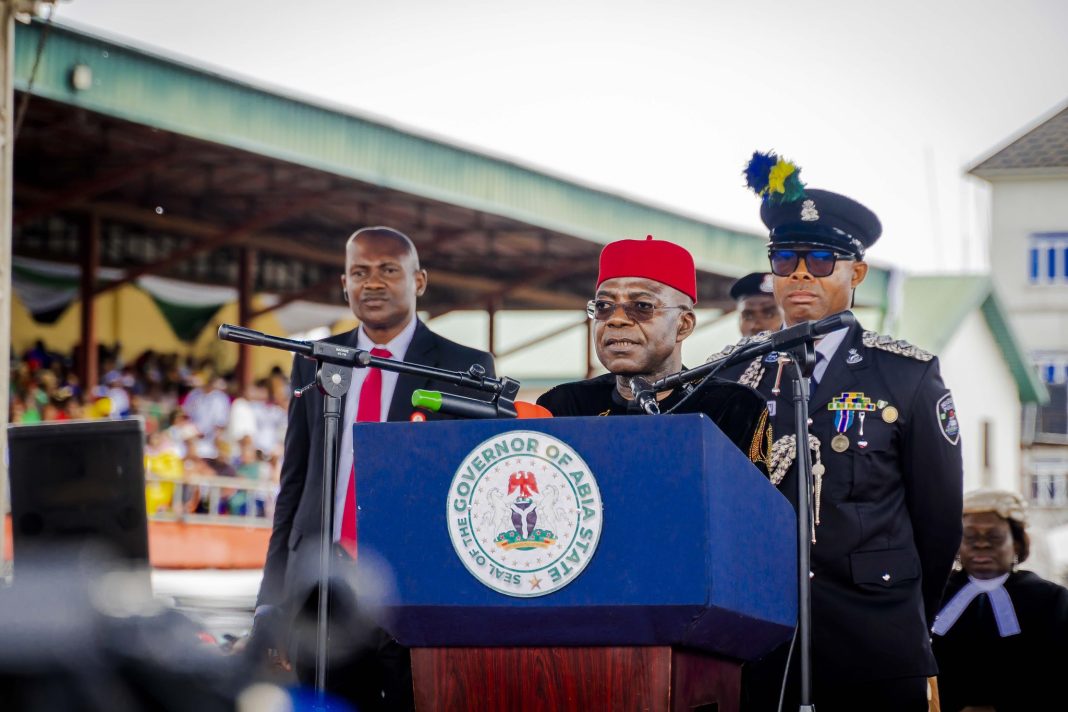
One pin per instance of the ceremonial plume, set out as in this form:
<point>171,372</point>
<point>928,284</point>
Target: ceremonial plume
<point>773,178</point>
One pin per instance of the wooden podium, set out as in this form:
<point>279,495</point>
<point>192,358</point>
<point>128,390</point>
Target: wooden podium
<point>654,678</point>
<point>693,573</point>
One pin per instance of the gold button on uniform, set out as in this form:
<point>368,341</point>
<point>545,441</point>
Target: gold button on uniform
<point>889,414</point>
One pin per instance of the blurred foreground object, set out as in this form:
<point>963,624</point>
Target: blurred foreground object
<point>82,633</point>
<point>77,483</point>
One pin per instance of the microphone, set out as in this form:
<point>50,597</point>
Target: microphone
<point>782,340</point>
<point>461,406</point>
<point>243,335</point>
<point>644,395</point>
<point>806,331</point>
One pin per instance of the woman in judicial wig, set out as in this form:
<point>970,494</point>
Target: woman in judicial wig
<point>1001,637</point>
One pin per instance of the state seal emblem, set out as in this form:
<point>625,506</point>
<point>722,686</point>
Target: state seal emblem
<point>524,513</point>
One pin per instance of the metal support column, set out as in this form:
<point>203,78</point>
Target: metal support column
<point>7,120</point>
<point>88,363</point>
<point>245,283</point>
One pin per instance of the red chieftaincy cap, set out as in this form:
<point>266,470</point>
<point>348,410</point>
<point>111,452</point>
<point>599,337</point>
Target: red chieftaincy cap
<point>658,260</point>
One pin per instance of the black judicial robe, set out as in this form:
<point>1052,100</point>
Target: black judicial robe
<point>1022,672</point>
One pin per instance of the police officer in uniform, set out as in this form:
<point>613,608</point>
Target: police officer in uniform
<point>887,472</point>
<point>757,309</point>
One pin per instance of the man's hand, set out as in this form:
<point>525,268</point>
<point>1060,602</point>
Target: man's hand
<point>266,640</point>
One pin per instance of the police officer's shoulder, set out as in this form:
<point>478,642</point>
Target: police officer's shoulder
<point>898,347</point>
<point>744,341</point>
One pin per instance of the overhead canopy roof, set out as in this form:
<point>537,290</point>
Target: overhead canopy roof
<point>183,167</point>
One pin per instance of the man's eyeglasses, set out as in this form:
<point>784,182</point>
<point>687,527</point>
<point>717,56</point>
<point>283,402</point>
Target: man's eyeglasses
<point>820,263</point>
<point>603,309</point>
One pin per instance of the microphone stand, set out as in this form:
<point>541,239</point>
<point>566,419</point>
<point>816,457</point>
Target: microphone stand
<point>803,358</point>
<point>333,376</point>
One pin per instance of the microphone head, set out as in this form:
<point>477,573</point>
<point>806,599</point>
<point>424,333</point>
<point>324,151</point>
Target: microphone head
<point>427,400</point>
<point>847,319</point>
<point>525,410</point>
<point>637,383</point>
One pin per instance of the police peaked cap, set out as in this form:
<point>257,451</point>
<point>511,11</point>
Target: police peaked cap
<point>822,219</point>
<point>753,284</point>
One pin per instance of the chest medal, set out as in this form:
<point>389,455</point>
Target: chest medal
<point>850,407</point>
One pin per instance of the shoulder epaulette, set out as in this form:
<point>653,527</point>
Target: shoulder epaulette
<point>745,341</point>
<point>727,350</point>
<point>895,346</point>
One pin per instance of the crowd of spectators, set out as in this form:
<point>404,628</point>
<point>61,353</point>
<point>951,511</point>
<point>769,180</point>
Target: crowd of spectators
<point>197,422</point>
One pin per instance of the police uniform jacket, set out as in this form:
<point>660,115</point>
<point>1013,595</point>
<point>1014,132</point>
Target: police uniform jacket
<point>889,506</point>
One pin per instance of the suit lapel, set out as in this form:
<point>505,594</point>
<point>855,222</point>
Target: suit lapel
<point>423,351</point>
<point>841,376</point>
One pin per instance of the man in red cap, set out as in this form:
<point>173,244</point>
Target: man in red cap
<point>642,312</point>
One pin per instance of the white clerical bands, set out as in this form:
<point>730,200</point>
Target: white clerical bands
<point>1004,613</point>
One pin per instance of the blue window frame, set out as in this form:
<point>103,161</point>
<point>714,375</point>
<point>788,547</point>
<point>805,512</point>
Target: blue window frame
<point>1047,258</point>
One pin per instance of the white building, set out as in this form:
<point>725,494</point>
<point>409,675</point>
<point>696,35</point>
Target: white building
<point>1029,266</point>
<point>961,319</point>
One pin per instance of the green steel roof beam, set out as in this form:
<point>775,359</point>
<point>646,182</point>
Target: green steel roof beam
<point>136,86</point>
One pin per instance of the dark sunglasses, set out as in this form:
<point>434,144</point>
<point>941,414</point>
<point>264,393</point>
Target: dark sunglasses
<point>603,309</point>
<point>820,263</point>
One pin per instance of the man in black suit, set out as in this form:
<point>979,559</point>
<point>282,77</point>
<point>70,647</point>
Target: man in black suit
<point>887,472</point>
<point>381,282</point>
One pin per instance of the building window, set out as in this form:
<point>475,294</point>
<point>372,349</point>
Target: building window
<point>988,428</point>
<point>1051,424</point>
<point>1049,483</point>
<point>1048,258</point>
<point>1051,420</point>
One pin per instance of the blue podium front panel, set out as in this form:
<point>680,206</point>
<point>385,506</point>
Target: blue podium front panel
<point>497,536</point>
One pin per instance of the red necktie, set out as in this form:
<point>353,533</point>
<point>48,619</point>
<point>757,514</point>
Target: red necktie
<point>369,410</point>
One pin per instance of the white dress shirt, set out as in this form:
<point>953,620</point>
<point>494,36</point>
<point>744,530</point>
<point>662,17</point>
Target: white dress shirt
<point>398,347</point>
<point>827,347</point>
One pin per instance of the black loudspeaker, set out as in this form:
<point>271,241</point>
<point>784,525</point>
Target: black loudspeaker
<point>78,483</point>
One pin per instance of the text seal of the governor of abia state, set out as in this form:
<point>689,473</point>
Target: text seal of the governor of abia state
<point>524,513</point>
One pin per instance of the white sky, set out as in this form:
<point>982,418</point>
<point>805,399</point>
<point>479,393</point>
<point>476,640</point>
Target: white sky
<point>886,102</point>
